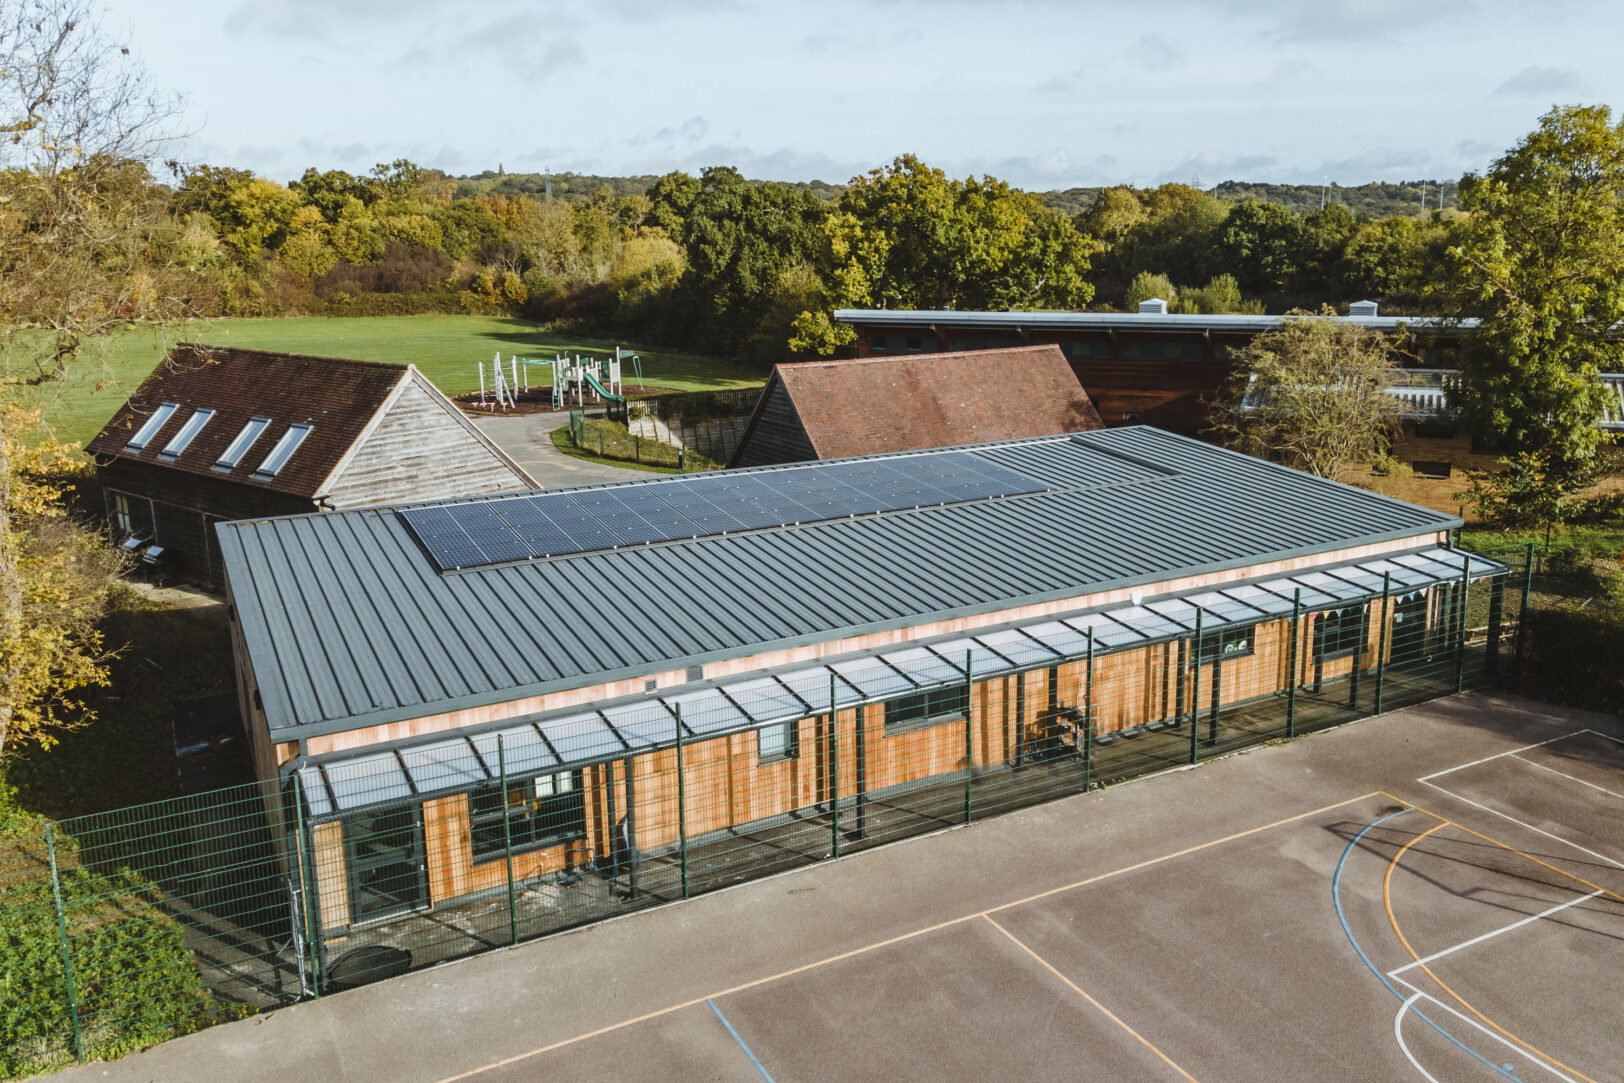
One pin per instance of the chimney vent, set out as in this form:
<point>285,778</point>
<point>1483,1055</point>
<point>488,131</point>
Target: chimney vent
<point>1155,306</point>
<point>1362,308</point>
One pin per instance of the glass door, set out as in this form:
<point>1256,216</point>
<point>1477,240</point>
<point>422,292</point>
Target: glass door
<point>388,874</point>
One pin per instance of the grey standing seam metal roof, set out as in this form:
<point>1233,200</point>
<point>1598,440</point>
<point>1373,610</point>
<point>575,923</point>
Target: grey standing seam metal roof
<point>1123,321</point>
<point>348,624</point>
<point>554,741</point>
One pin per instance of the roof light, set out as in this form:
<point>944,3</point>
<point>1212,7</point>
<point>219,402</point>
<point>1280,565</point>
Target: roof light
<point>284,449</point>
<point>183,439</point>
<point>143,436</point>
<point>239,446</point>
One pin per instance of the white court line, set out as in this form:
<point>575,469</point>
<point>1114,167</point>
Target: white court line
<point>1519,823</point>
<point>1398,1035</point>
<point>1570,778</point>
<point>1512,752</point>
<point>1496,932</point>
<point>1523,1053</point>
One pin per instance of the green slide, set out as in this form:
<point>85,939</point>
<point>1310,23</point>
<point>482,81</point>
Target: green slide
<point>603,392</point>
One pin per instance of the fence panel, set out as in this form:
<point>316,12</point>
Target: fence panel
<point>160,919</point>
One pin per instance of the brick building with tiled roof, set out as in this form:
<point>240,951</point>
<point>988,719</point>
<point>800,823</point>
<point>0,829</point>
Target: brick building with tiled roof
<point>875,405</point>
<point>217,434</point>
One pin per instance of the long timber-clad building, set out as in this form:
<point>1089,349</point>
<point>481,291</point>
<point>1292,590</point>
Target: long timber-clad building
<point>547,707</point>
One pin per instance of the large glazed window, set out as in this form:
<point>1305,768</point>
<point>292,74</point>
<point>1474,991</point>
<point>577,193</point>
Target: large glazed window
<point>283,451</point>
<point>149,428</point>
<point>538,812</point>
<point>1341,631</point>
<point>926,708</point>
<point>188,432</point>
<point>241,443</point>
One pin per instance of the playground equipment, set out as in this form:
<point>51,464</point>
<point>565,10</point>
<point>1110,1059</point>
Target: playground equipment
<point>575,381</point>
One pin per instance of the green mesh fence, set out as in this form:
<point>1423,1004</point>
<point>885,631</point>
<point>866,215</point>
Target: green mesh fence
<point>127,928</point>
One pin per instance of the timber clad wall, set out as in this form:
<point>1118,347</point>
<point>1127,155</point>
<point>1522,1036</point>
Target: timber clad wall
<point>420,450</point>
<point>776,434</point>
<point>727,787</point>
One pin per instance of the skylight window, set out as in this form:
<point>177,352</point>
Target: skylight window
<point>188,432</point>
<point>143,436</point>
<point>284,449</point>
<point>244,440</point>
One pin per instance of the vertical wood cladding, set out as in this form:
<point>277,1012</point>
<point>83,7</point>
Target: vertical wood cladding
<point>726,784</point>
<point>420,451</point>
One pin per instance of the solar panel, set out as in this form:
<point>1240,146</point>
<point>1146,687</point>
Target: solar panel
<point>558,524</point>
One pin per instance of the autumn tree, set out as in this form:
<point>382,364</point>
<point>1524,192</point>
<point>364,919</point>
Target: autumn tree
<point>1312,394</point>
<point>80,224</point>
<point>1540,262</point>
<point>908,236</point>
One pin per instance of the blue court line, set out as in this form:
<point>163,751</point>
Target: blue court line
<point>1336,897</point>
<point>738,1039</point>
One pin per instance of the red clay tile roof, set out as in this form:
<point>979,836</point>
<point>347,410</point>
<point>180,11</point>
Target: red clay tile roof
<point>880,404</point>
<point>337,397</point>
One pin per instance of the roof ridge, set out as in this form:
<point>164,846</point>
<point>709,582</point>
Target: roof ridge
<point>213,347</point>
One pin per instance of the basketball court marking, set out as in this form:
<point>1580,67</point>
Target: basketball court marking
<point>903,937</point>
<point>1392,919</point>
<point>1074,987</point>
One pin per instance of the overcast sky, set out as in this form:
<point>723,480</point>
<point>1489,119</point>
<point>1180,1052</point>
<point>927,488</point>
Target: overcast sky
<point>1043,93</point>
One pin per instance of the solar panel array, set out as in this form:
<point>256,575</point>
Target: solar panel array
<point>556,524</point>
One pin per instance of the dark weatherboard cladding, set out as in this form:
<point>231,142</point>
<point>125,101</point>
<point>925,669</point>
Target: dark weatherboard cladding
<point>557,524</point>
<point>349,623</point>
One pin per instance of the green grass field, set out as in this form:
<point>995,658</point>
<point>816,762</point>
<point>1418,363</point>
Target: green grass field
<point>446,348</point>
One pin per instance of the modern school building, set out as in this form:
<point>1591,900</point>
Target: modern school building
<point>519,712</point>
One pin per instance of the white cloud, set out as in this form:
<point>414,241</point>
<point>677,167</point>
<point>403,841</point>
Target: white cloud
<point>1541,82</point>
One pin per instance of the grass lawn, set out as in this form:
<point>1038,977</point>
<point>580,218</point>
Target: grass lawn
<point>446,348</point>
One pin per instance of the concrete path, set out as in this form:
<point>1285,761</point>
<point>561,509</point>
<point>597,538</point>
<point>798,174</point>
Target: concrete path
<point>528,439</point>
<point>1179,927</point>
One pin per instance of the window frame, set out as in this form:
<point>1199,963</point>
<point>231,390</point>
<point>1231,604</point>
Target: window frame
<point>195,423</point>
<point>955,709</point>
<point>1214,646</point>
<point>1360,631</point>
<point>789,750</point>
<point>286,446</point>
<point>545,827</point>
<point>241,444</point>
<point>151,427</point>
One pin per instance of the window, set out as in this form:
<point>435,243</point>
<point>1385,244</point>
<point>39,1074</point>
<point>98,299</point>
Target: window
<point>537,812</point>
<point>1140,349</point>
<point>241,443</point>
<point>284,449</point>
<point>1342,631</point>
<point>188,432</point>
<point>926,709</point>
<point>1230,643</point>
<point>149,428</point>
<point>778,743</point>
<point>1087,349</point>
<point>121,514</point>
<point>914,343</point>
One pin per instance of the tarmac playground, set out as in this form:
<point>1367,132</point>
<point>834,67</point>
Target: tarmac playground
<point>1436,894</point>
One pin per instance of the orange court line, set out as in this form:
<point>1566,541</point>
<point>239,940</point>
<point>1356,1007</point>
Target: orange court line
<point>1575,877</point>
<point>1392,919</point>
<point>1074,987</point>
<point>753,983</point>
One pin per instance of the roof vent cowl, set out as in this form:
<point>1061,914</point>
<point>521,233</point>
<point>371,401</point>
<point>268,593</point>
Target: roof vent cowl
<point>1362,308</point>
<point>1154,306</point>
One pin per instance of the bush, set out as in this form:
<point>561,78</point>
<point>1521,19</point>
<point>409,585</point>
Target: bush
<point>135,982</point>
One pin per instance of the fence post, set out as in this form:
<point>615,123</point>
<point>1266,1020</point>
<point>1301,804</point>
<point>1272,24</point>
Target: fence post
<point>1088,718</point>
<point>307,881</point>
<point>682,804</point>
<point>507,843</point>
<point>1465,598</point>
<point>969,737</point>
<point>62,933</point>
<point>1381,647</point>
<point>1527,591</point>
<point>1195,692</point>
<point>1291,652</point>
<point>834,770</point>
<point>1497,607</point>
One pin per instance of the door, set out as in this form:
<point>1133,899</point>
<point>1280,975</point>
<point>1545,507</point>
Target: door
<point>388,874</point>
<point>1409,630</point>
